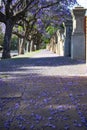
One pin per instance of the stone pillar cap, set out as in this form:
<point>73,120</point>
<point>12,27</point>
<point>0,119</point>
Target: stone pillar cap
<point>79,8</point>
<point>78,11</point>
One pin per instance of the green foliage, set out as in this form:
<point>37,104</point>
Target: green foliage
<point>1,36</point>
<point>45,40</point>
<point>1,39</point>
<point>51,30</point>
<point>20,28</point>
<point>14,43</point>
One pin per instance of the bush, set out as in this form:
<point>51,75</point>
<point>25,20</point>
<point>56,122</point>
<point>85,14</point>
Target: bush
<point>14,43</point>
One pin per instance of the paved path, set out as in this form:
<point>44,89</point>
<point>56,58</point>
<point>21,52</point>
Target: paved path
<point>43,92</point>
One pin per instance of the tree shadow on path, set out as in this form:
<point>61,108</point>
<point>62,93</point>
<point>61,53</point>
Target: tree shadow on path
<point>14,64</point>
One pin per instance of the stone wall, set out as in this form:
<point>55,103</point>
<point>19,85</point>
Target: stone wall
<point>68,33</point>
<point>56,44</point>
<point>85,29</point>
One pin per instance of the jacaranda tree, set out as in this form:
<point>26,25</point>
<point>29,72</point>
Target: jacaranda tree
<point>12,11</point>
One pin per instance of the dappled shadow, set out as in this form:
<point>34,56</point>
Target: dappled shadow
<point>14,64</point>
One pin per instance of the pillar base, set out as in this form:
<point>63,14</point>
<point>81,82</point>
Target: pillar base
<point>78,46</point>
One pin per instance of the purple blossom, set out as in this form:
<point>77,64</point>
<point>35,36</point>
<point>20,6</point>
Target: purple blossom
<point>66,127</point>
<point>50,125</point>
<point>49,118</point>
<point>38,117</point>
<point>7,125</point>
<point>16,105</point>
<point>32,126</point>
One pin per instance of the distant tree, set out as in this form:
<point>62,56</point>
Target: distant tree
<point>1,37</point>
<point>14,42</point>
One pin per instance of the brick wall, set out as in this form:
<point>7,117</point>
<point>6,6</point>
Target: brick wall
<point>85,29</point>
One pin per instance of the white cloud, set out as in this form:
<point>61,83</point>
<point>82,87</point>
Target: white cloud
<point>0,2</point>
<point>83,3</point>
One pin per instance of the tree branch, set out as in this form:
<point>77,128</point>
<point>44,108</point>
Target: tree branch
<point>21,13</point>
<point>21,35</point>
<point>2,17</point>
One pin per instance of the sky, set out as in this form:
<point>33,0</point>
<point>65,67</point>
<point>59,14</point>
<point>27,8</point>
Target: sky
<point>0,2</point>
<point>83,3</point>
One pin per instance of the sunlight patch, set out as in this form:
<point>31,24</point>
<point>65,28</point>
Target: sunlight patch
<point>62,107</point>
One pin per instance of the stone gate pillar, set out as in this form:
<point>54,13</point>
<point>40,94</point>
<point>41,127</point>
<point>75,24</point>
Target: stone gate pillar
<point>86,35</point>
<point>78,35</point>
<point>68,33</point>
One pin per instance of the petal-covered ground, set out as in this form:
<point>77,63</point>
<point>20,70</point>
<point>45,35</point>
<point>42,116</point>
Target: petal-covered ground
<point>43,92</point>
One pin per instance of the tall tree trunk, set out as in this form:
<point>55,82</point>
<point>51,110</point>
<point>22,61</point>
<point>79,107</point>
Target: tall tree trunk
<point>28,46</point>
<point>7,39</point>
<point>20,42</point>
<point>32,46</point>
<point>21,46</point>
<point>37,46</point>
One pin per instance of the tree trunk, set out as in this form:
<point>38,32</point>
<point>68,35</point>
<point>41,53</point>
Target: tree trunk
<point>7,39</point>
<point>21,46</point>
<point>32,46</point>
<point>37,46</point>
<point>28,46</point>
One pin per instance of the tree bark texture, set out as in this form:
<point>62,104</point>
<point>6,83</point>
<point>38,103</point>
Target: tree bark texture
<point>7,39</point>
<point>21,46</point>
